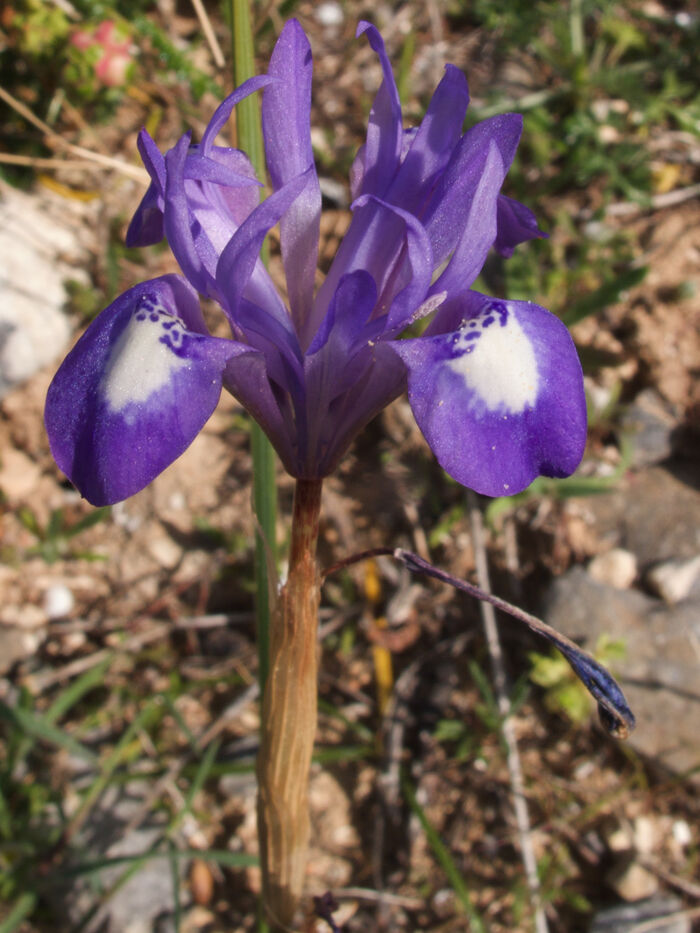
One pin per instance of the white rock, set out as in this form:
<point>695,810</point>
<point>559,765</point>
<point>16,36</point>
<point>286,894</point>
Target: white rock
<point>59,601</point>
<point>632,882</point>
<point>37,238</point>
<point>644,835</point>
<point>164,550</point>
<point>674,579</point>
<point>681,833</point>
<point>616,567</point>
<point>329,14</point>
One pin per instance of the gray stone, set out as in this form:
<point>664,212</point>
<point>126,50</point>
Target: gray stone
<point>655,514</point>
<point>659,674</point>
<point>624,918</point>
<point>39,249</point>
<point>650,422</point>
<point>146,901</point>
<point>675,580</point>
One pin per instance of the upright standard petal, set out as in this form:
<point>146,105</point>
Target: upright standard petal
<point>405,276</point>
<point>286,114</point>
<point>382,150</point>
<point>454,215</point>
<point>432,143</point>
<point>135,390</point>
<point>240,257</point>
<point>499,395</point>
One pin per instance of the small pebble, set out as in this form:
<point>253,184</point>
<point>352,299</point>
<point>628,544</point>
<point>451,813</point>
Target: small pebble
<point>329,14</point>
<point>674,579</point>
<point>681,833</point>
<point>632,882</point>
<point>616,567</point>
<point>59,601</point>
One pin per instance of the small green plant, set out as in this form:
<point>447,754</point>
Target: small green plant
<point>564,693</point>
<point>54,540</point>
<point>461,735</point>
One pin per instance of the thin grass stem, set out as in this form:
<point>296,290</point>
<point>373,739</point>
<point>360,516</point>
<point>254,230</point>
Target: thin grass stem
<point>249,134</point>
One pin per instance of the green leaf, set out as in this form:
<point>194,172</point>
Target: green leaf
<point>608,294</point>
<point>444,857</point>
<point>20,910</point>
<point>88,521</point>
<point>38,726</point>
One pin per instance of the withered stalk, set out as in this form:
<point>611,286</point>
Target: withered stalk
<point>288,724</point>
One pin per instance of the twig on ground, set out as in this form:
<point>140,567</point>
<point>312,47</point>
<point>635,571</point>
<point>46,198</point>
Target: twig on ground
<point>675,881</point>
<point>658,923</point>
<point>11,158</point>
<point>493,641</point>
<point>209,34</point>
<point>132,171</point>
<point>656,203</point>
<point>367,894</point>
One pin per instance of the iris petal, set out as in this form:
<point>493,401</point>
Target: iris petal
<point>286,128</point>
<point>135,390</point>
<point>449,217</point>
<point>500,399</point>
<point>516,224</point>
<point>384,131</point>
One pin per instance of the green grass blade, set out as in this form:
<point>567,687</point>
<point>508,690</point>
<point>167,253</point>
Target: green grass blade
<point>220,856</point>
<point>37,726</point>
<point>250,139</point>
<point>609,293</point>
<point>88,521</point>
<point>77,690</point>
<point>174,859</point>
<point>19,912</point>
<point>202,773</point>
<point>146,718</point>
<point>442,854</point>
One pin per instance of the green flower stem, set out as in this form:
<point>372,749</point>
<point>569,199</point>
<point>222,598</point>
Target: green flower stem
<point>249,131</point>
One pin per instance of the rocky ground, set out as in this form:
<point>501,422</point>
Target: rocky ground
<point>154,598</point>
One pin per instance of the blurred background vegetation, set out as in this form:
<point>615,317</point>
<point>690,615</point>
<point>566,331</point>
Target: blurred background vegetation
<point>141,698</point>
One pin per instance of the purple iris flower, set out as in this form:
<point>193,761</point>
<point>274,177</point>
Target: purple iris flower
<point>495,385</point>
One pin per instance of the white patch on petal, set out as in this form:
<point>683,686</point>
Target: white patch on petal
<point>497,361</point>
<point>143,360</point>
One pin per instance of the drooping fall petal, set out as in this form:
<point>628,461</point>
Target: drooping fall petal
<point>135,390</point>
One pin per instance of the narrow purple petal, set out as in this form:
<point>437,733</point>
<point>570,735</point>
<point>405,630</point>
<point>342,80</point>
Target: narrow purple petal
<point>500,399</point>
<point>407,276</point>
<point>239,258</point>
<point>152,157</point>
<point>179,223</point>
<point>225,108</point>
<point>146,227</point>
<point>479,225</point>
<point>433,142</point>
<point>247,379</point>
<point>384,130</point>
<point>516,224</point>
<point>135,390</point>
<point>286,117</point>
<point>206,168</point>
<point>448,217</point>
<point>383,379</point>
